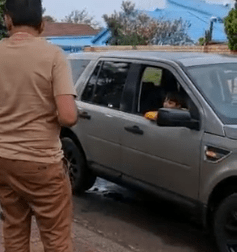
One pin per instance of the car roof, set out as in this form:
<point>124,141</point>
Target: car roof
<point>185,58</point>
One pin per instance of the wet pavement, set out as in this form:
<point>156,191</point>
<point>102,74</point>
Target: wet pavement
<point>110,218</point>
<point>138,222</point>
<point>83,241</point>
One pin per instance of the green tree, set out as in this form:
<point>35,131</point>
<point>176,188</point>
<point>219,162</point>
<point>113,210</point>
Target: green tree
<point>3,31</point>
<point>132,27</point>
<point>124,26</point>
<point>49,19</point>
<point>81,17</point>
<point>43,10</point>
<point>230,23</point>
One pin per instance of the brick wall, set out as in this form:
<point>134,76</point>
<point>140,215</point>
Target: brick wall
<point>215,48</point>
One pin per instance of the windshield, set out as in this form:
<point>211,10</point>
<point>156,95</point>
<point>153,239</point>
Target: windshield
<point>218,84</point>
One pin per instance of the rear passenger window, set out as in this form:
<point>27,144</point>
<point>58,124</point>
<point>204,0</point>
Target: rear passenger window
<point>78,66</point>
<point>106,84</point>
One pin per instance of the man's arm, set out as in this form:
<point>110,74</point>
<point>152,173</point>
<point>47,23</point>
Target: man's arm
<point>64,90</point>
<point>67,110</point>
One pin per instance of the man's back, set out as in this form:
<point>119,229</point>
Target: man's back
<point>36,99</point>
<point>29,128</point>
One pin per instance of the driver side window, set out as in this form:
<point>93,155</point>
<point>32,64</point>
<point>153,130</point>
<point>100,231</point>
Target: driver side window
<point>150,91</point>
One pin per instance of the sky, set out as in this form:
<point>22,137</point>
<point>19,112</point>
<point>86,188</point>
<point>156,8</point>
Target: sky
<point>97,8</point>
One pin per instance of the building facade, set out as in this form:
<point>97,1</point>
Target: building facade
<point>202,16</point>
<point>70,37</point>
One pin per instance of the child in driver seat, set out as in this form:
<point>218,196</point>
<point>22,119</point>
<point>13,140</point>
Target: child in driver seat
<point>172,100</point>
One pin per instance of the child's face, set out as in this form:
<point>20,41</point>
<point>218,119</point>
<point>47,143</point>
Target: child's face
<point>170,104</point>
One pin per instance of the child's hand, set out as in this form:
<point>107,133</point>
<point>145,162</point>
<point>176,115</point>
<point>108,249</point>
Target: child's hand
<point>151,115</point>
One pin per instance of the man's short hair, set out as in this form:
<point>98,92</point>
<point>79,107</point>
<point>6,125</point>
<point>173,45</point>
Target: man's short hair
<point>25,12</point>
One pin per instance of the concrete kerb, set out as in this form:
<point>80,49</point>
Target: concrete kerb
<point>84,240</point>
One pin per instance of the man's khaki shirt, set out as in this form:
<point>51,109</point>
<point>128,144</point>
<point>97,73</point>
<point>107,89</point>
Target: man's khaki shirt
<point>32,73</point>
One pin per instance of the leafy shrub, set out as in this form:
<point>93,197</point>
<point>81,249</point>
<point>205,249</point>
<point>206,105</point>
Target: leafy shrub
<point>133,27</point>
<point>230,23</point>
<point>201,41</point>
<point>3,31</point>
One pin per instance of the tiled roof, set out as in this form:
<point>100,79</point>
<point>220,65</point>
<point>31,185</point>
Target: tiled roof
<point>67,29</point>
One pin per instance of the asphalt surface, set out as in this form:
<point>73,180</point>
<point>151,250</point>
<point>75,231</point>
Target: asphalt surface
<point>110,218</point>
<point>139,222</point>
<point>84,240</point>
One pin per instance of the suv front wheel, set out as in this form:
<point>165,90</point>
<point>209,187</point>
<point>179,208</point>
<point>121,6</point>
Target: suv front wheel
<point>225,224</point>
<point>80,177</point>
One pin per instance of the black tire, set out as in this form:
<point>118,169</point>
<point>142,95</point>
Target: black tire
<point>225,224</point>
<point>80,177</point>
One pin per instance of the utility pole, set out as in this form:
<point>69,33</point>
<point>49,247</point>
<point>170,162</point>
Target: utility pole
<point>212,21</point>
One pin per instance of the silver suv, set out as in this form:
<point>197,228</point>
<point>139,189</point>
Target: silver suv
<point>186,155</point>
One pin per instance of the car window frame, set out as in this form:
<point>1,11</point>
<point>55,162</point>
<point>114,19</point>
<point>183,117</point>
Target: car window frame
<point>103,60</point>
<point>77,73</point>
<point>133,74</point>
<point>176,70</point>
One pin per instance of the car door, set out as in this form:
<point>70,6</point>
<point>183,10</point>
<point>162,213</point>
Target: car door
<point>166,157</point>
<point>99,126</point>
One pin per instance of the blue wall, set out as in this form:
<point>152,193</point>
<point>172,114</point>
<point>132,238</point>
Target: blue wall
<point>198,13</point>
<point>71,43</point>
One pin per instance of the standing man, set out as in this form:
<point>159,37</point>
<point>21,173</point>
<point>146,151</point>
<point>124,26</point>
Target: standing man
<point>36,98</point>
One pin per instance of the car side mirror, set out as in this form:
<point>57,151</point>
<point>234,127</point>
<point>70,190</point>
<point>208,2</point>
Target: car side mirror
<point>176,118</point>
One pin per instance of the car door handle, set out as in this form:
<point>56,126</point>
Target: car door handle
<point>84,115</point>
<point>135,130</point>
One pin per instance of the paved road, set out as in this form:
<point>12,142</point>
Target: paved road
<point>139,223</point>
<point>109,218</point>
<point>84,240</point>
